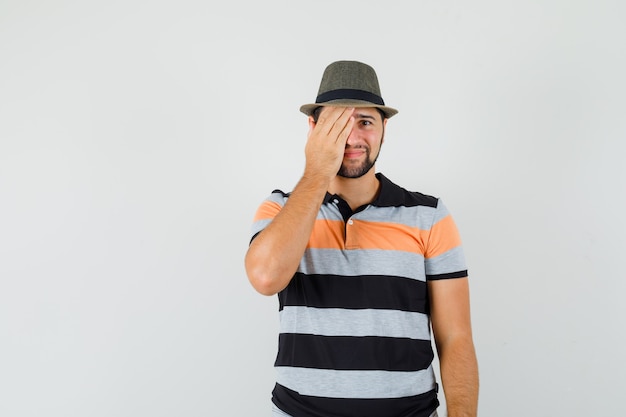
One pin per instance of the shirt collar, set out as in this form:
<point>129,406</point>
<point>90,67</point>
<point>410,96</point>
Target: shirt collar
<point>390,195</point>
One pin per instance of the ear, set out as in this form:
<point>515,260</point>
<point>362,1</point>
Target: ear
<point>382,140</point>
<point>311,125</point>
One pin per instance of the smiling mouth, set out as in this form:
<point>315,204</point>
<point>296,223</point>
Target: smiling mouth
<point>353,154</point>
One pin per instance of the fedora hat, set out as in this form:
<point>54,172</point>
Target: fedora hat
<point>349,84</point>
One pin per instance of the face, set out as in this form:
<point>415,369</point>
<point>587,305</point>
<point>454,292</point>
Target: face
<point>363,144</point>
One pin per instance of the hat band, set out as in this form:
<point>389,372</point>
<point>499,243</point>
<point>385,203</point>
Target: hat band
<point>348,93</point>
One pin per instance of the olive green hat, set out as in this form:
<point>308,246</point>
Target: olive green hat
<point>349,84</point>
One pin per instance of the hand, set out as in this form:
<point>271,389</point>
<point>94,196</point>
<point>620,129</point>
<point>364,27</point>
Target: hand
<point>327,141</point>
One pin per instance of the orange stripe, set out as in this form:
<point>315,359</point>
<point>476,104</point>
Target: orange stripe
<point>385,236</point>
<point>327,234</point>
<point>267,210</point>
<point>444,236</point>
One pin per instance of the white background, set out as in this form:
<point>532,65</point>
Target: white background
<point>137,139</point>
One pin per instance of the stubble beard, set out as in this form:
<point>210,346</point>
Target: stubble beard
<point>358,171</point>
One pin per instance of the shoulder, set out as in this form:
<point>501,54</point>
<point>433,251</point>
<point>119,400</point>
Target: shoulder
<point>277,196</point>
<point>394,195</point>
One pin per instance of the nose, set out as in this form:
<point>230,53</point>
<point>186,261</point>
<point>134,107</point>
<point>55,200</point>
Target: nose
<point>352,138</point>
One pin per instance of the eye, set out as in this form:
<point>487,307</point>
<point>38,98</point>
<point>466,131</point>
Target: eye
<point>366,122</point>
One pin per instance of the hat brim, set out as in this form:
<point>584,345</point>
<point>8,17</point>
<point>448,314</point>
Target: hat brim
<point>308,109</point>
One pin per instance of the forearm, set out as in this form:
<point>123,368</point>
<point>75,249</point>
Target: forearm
<point>274,255</point>
<point>459,375</point>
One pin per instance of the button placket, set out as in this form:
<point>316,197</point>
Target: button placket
<point>351,236</point>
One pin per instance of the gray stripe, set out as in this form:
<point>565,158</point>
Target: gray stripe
<point>259,225</point>
<point>418,216</point>
<point>450,261</point>
<point>277,412</point>
<point>441,212</point>
<point>363,262</point>
<point>277,198</point>
<point>355,384</point>
<point>329,212</point>
<point>343,322</point>
<point>422,217</point>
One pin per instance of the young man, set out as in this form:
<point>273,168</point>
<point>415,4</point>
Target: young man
<point>362,269</point>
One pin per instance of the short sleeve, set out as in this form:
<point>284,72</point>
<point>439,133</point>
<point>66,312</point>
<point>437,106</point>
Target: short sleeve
<point>444,257</point>
<point>266,212</point>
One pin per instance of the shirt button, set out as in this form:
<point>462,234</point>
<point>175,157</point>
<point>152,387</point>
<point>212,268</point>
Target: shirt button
<point>350,221</point>
<point>335,201</point>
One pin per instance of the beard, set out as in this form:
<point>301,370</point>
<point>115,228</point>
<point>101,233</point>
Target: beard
<point>360,170</point>
<point>346,171</point>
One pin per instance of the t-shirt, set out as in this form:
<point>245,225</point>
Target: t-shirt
<point>354,334</point>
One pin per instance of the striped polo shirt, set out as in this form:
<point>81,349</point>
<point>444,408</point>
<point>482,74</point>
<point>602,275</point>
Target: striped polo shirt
<point>354,320</point>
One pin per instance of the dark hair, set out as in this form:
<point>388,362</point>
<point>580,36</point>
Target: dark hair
<point>318,110</point>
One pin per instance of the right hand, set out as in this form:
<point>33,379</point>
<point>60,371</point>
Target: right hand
<point>327,141</point>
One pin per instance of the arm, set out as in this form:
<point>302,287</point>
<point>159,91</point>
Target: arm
<point>450,315</point>
<point>274,255</point>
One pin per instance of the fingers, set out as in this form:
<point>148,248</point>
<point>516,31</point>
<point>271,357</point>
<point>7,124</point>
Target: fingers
<point>335,122</point>
<point>327,140</point>
<point>345,131</point>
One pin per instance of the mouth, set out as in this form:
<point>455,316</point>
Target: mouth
<point>353,153</point>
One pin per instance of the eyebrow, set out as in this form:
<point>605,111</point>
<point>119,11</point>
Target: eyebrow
<point>364,116</point>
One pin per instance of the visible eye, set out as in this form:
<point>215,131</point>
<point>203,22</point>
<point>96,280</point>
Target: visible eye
<point>366,122</point>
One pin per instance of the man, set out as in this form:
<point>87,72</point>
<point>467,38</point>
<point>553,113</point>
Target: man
<point>362,269</point>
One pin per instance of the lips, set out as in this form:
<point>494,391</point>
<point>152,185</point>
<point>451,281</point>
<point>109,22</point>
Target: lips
<point>353,153</point>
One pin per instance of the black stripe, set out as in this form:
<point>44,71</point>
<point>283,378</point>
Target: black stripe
<point>457,274</point>
<point>356,292</point>
<point>284,194</point>
<point>392,195</point>
<point>349,93</point>
<point>254,237</point>
<point>366,353</point>
<point>294,404</point>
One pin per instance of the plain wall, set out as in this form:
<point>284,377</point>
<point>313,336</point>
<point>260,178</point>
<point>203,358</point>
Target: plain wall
<point>137,139</point>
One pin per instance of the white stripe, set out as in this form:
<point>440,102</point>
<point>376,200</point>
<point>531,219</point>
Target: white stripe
<point>355,384</point>
<point>344,322</point>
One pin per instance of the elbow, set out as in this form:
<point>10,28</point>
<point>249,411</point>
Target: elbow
<point>262,284</point>
<point>267,275</point>
<point>262,279</point>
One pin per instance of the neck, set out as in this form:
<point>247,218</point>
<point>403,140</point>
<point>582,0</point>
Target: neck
<point>356,191</point>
